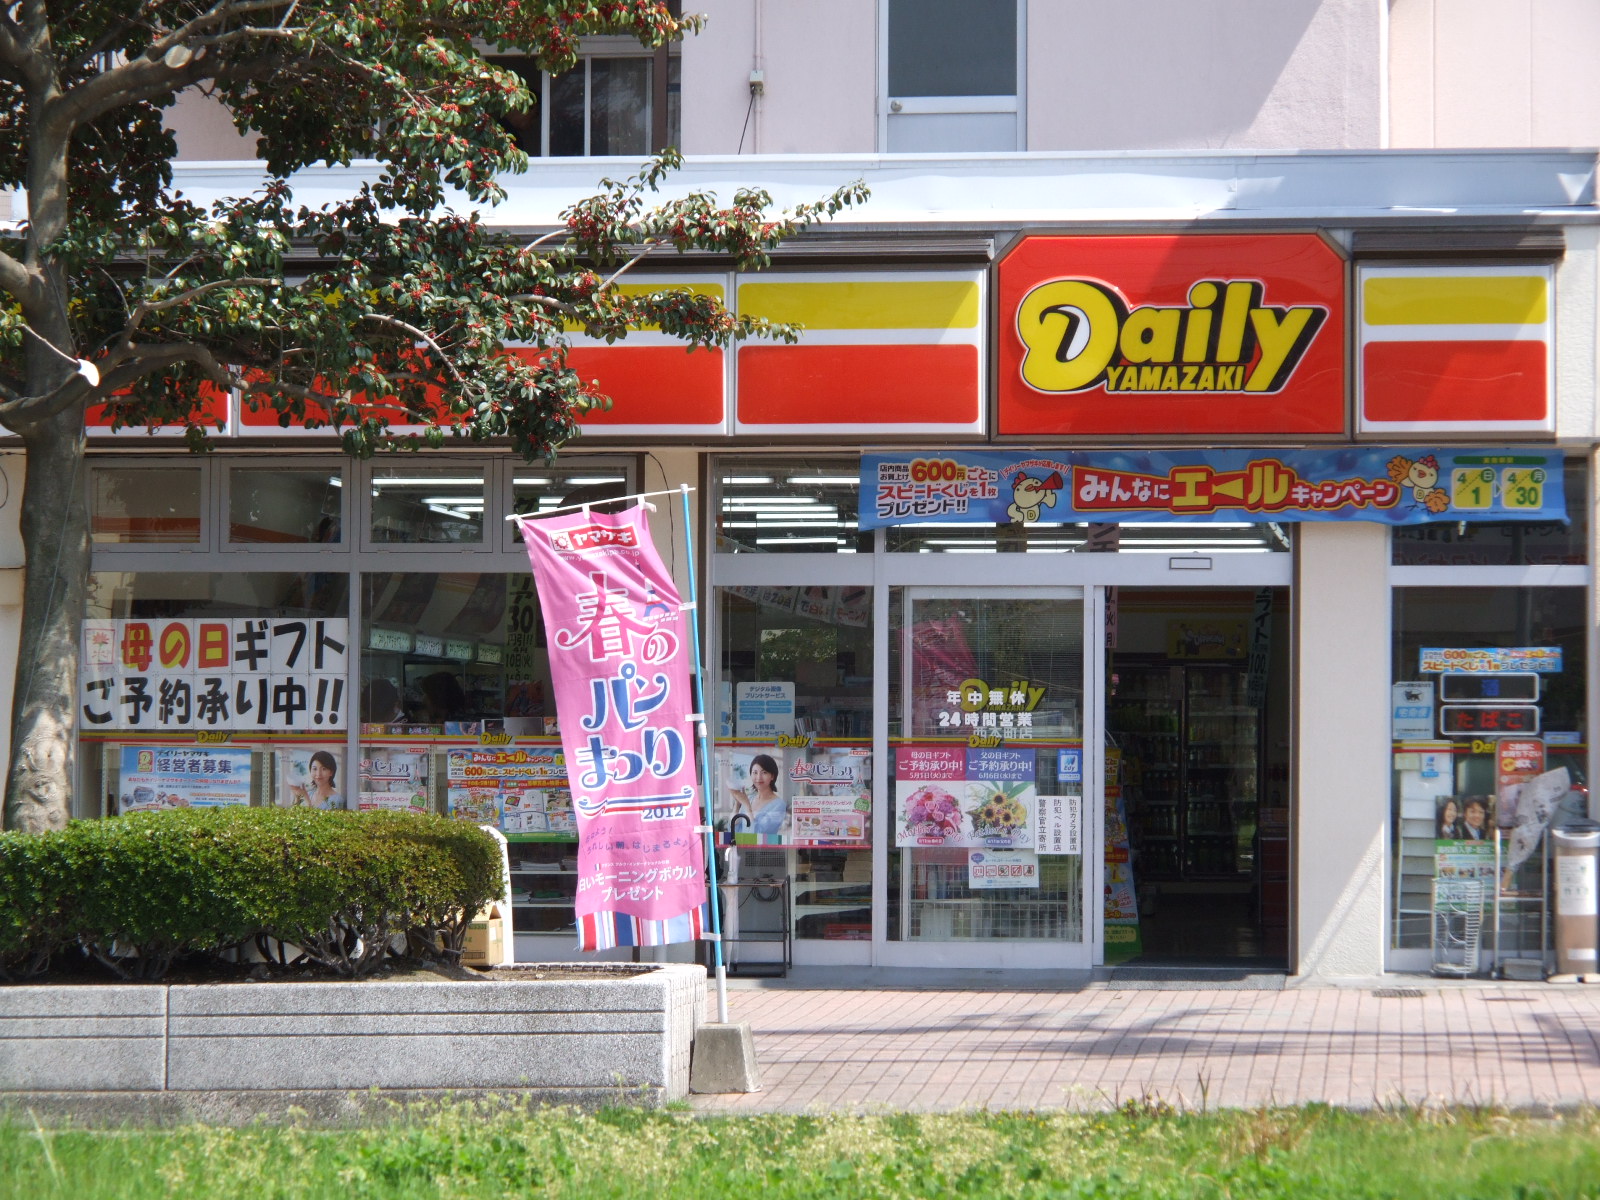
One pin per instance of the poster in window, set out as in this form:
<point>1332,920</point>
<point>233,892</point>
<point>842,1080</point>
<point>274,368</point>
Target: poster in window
<point>311,777</point>
<point>161,777</point>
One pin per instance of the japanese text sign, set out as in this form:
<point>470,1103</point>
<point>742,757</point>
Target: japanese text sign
<point>620,672</point>
<point>1356,483</point>
<point>217,673</point>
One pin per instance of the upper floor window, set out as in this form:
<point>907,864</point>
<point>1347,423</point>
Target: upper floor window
<point>951,75</point>
<point>613,102</point>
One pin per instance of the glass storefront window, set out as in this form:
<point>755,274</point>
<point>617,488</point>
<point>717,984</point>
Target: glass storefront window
<point>536,491</point>
<point>1503,543</point>
<point>458,649</point>
<point>134,506</point>
<point>789,506</point>
<point>201,690</point>
<point>277,506</point>
<point>415,504</point>
<point>986,693</point>
<point>1451,737</point>
<point>794,765</point>
<point>457,715</point>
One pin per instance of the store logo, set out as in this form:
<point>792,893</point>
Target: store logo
<point>1081,334</point>
<point>592,537</point>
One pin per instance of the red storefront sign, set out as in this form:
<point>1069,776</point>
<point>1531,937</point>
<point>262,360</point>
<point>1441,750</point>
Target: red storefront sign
<point>1174,335</point>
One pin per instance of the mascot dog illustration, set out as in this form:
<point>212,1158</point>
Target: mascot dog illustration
<point>1030,495</point>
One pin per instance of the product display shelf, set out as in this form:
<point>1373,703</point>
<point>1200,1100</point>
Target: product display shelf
<point>544,880</point>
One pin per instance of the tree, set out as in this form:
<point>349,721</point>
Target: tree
<point>388,308</point>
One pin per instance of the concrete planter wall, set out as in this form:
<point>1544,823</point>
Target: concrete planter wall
<point>231,1051</point>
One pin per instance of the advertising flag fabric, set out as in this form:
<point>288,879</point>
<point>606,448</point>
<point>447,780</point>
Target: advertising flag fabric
<point>619,664</point>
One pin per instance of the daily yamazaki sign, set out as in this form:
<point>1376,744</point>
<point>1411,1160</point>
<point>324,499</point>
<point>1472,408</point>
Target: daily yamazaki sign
<point>1231,334</point>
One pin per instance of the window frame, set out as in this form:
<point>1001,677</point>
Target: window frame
<point>891,106</point>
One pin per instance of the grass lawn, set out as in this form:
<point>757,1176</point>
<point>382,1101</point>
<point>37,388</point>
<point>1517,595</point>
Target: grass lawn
<point>480,1150</point>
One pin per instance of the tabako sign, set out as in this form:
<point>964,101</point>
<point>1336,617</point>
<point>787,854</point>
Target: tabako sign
<point>1168,335</point>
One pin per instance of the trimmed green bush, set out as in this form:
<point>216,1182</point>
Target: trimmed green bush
<point>345,890</point>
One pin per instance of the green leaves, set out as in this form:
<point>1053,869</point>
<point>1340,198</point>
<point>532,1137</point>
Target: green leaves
<point>137,891</point>
<point>385,310</point>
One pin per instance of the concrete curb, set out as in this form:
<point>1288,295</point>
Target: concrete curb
<point>175,1049</point>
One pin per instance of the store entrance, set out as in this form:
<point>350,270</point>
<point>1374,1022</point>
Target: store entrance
<point>1198,736</point>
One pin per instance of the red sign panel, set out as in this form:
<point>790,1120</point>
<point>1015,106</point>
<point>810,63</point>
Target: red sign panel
<point>1173,335</point>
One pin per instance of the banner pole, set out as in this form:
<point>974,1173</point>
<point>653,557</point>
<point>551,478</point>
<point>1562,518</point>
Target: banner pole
<point>712,898</point>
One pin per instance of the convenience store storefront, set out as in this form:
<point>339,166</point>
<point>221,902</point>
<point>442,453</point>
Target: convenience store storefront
<point>1032,736</point>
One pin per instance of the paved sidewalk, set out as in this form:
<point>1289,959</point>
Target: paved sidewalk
<point>1085,1045</point>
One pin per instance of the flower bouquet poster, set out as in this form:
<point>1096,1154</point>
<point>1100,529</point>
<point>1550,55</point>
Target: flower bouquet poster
<point>964,796</point>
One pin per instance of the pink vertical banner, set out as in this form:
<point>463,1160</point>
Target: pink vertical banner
<point>619,663</point>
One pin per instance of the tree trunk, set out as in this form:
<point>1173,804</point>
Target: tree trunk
<point>55,536</point>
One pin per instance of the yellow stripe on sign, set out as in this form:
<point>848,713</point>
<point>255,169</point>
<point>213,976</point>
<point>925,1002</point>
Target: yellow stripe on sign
<point>1455,300</point>
<point>866,304</point>
<point>646,289</point>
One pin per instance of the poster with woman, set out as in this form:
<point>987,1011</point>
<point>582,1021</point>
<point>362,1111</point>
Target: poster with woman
<point>753,801</point>
<point>309,777</point>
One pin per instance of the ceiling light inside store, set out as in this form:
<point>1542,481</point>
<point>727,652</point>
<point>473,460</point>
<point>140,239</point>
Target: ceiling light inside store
<point>747,479</point>
<point>838,479</point>
<point>798,541</point>
<point>534,481</point>
<point>592,480</point>
<point>472,481</point>
<point>764,501</point>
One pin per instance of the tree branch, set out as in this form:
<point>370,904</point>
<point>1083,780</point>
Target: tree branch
<point>421,336</point>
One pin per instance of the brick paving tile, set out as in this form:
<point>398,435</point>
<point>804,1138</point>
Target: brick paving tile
<point>924,1050</point>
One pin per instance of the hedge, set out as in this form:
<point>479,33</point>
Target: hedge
<point>343,890</point>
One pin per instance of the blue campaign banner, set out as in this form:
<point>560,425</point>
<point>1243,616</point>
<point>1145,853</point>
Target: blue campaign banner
<point>1394,486</point>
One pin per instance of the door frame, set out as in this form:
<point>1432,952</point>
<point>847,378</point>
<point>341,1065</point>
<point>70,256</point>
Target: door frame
<point>883,570</point>
<point>994,954</point>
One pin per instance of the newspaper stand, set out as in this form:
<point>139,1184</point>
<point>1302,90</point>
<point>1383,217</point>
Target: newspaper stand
<point>1457,926</point>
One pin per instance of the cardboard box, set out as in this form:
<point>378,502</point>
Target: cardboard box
<point>485,944</point>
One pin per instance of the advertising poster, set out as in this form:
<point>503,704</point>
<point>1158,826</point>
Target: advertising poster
<point>763,711</point>
<point>1463,875</point>
<point>755,795</point>
<point>246,674</point>
<point>524,688</point>
<point>1490,660</point>
<point>620,662</point>
<point>1121,899</point>
<point>796,794</point>
<point>311,777</point>
<point>1517,761</point>
<point>854,607</point>
<point>520,790</point>
<point>1393,486</point>
<point>991,870</point>
<point>832,796</point>
<point>158,777</point>
<point>965,796</point>
<point>396,778</point>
